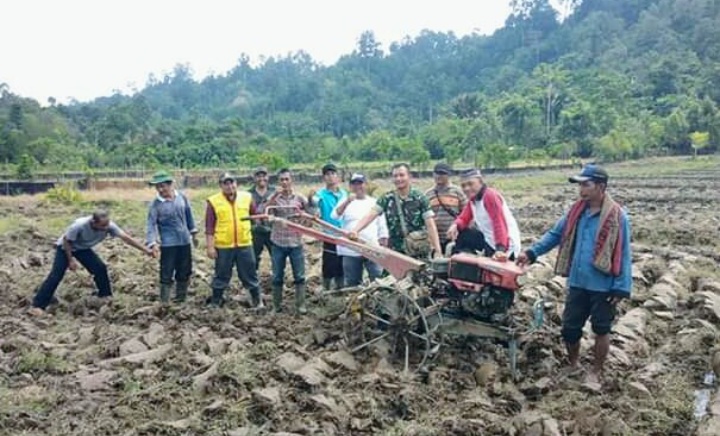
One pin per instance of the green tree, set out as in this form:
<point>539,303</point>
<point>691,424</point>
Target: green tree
<point>699,141</point>
<point>26,167</point>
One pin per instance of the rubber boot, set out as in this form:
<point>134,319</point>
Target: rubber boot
<point>165,292</point>
<point>256,299</point>
<point>338,283</point>
<point>327,284</point>
<point>217,298</point>
<point>300,308</point>
<point>181,290</point>
<point>277,296</point>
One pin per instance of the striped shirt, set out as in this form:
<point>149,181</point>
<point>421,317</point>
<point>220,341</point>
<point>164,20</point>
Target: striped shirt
<point>447,202</point>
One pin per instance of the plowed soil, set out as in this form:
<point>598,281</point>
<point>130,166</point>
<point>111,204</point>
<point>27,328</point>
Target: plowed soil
<point>133,367</point>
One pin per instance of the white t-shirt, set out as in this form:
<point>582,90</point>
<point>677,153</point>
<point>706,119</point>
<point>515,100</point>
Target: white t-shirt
<point>354,212</point>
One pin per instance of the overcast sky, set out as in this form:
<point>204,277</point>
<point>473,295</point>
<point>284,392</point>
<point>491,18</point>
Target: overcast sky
<point>87,48</point>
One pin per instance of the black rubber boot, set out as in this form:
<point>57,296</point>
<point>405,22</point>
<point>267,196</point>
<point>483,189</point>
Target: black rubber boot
<point>217,298</point>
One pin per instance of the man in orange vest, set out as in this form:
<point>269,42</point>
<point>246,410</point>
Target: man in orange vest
<point>229,240</point>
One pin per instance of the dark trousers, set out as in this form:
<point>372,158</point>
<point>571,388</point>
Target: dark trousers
<point>261,240</point>
<point>581,304</point>
<point>175,262</point>
<point>243,259</point>
<point>332,266</point>
<point>353,269</point>
<point>87,259</point>
<point>279,257</point>
<point>472,240</point>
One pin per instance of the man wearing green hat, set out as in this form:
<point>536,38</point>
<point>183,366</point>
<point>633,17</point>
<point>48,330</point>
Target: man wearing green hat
<point>171,219</point>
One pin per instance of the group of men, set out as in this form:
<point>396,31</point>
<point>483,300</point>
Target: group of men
<point>593,236</point>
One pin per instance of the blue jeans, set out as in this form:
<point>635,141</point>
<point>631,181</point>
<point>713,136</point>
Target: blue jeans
<point>279,256</point>
<point>88,259</point>
<point>353,269</point>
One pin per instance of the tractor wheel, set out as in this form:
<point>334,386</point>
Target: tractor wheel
<point>391,323</point>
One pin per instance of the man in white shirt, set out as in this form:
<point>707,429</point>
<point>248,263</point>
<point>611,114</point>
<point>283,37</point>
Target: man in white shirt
<point>349,212</point>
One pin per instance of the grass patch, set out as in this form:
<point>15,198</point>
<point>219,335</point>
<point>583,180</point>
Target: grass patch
<point>36,362</point>
<point>7,224</point>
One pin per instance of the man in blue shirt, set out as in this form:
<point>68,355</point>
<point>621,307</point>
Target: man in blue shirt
<point>595,256</point>
<point>170,219</point>
<point>326,200</point>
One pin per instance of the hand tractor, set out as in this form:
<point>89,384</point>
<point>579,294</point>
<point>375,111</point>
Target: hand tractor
<point>404,315</point>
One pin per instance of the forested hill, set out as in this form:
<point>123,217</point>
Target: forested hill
<point>615,79</point>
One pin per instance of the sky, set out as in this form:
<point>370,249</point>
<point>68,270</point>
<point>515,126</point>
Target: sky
<point>83,49</point>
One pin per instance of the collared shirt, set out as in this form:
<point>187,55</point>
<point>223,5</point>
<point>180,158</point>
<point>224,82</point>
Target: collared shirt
<point>415,208</point>
<point>446,202</point>
<point>82,236</point>
<point>326,201</point>
<point>171,219</point>
<point>354,212</point>
<point>288,205</point>
<point>260,201</point>
<point>583,273</point>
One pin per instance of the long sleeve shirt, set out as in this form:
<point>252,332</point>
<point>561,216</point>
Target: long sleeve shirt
<point>583,274</point>
<point>492,216</point>
<point>171,220</point>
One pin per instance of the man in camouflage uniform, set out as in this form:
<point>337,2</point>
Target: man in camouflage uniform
<point>413,215</point>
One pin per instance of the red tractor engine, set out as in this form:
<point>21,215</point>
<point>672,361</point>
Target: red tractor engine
<point>479,287</point>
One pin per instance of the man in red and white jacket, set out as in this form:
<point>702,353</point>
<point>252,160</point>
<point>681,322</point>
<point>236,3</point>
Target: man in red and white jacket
<point>495,232</point>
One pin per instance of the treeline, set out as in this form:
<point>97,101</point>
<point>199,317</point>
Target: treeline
<point>616,79</point>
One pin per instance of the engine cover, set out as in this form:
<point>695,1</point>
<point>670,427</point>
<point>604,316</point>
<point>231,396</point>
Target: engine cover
<point>481,288</point>
<point>470,272</point>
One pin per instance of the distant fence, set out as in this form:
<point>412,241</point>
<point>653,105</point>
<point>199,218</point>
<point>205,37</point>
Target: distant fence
<point>197,179</point>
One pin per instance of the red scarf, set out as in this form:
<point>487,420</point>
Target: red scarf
<point>607,254</point>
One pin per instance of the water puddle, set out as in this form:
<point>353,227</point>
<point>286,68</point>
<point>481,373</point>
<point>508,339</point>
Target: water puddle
<point>703,395</point>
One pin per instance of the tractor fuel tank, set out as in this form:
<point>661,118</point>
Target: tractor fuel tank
<point>471,272</point>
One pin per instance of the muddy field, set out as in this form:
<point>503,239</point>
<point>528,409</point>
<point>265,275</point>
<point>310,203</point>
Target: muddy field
<point>135,368</point>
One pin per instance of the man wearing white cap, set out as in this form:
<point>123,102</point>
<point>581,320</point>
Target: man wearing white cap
<point>349,212</point>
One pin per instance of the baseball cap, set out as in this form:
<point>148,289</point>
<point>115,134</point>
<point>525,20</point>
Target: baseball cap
<point>226,176</point>
<point>442,168</point>
<point>328,167</point>
<point>161,177</point>
<point>260,170</point>
<point>590,172</point>
<point>471,174</point>
<point>357,178</point>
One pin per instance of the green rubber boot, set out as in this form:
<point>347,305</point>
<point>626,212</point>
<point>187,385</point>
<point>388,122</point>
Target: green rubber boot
<point>300,308</point>
<point>181,290</point>
<point>165,292</point>
<point>277,296</point>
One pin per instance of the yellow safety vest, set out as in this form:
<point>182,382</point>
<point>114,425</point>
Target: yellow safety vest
<point>230,230</point>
